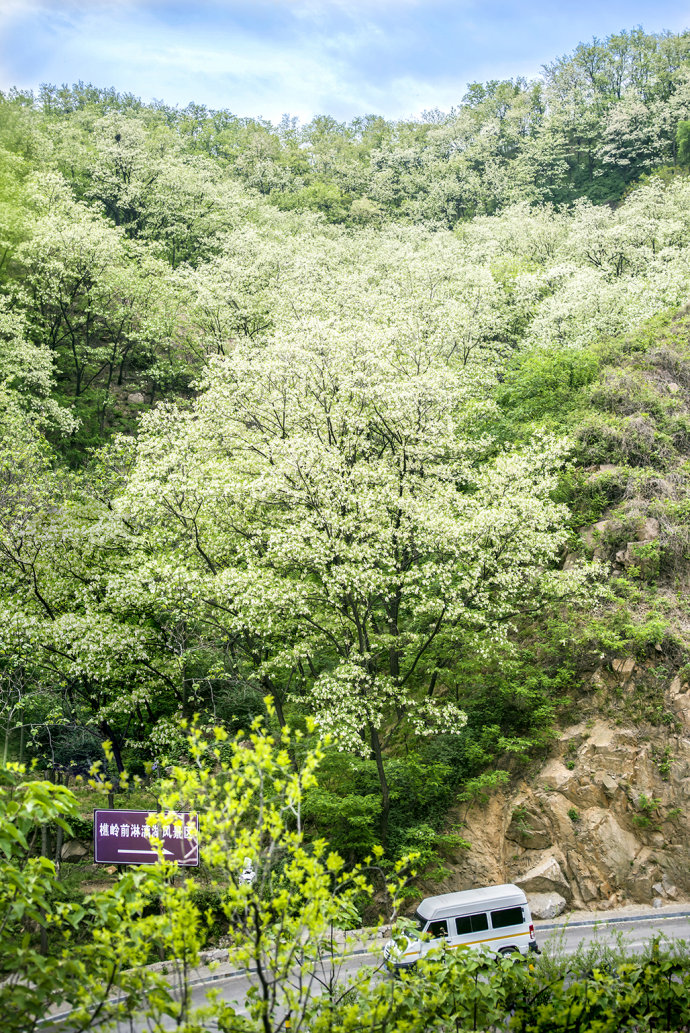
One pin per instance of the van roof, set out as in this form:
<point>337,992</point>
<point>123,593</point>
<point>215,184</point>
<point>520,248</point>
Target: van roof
<point>445,905</point>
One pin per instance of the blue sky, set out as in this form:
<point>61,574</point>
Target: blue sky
<point>303,57</point>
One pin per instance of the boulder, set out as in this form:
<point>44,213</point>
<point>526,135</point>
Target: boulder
<point>135,398</point>
<point>545,877</point>
<point>631,555</point>
<point>592,534</point>
<point>604,858</point>
<point>643,873</point>
<point>584,885</point>
<point>608,784</point>
<point>593,537</point>
<point>74,850</point>
<point>669,889</point>
<point>649,530</point>
<point>597,680</point>
<point>527,828</point>
<point>556,775</point>
<point>546,905</point>
<point>665,888</point>
<point>601,735</point>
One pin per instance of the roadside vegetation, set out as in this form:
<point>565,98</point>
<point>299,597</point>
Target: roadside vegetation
<point>96,961</point>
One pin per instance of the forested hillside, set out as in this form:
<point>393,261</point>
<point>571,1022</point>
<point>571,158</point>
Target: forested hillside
<point>386,422</point>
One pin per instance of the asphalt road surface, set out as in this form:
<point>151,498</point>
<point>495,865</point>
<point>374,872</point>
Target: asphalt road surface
<point>560,938</point>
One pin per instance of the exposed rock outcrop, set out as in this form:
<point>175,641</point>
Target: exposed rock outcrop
<point>605,821</point>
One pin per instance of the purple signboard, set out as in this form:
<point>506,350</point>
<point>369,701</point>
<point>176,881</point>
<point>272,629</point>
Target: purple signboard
<point>124,837</point>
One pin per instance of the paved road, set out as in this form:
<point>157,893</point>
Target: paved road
<point>634,932</point>
<point>561,937</point>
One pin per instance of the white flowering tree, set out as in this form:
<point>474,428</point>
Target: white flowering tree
<point>333,502</point>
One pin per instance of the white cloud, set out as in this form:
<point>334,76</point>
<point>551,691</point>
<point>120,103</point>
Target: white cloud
<point>264,57</point>
<point>223,64</point>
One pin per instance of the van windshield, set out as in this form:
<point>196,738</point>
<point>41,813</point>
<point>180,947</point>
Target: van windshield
<point>419,921</point>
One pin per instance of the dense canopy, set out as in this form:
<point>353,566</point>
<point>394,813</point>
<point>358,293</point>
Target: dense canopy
<point>298,412</point>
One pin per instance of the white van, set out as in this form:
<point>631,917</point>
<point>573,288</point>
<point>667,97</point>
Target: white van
<point>495,916</point>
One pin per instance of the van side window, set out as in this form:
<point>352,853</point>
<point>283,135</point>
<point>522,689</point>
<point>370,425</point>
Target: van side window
<point>438,929</point>
<point>471,924</point>
<point>508,916</point>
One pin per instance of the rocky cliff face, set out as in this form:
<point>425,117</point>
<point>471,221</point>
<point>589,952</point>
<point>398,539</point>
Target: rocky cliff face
<point>604,822</point>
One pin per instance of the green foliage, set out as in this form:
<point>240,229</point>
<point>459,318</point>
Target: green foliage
<point>663,760</point>
<point>351,818</point>
<point>322,197</point>
<point>208,902</point>
<point>545,384</point>
<point>683,142</point>
<point>347,802</point>
<point>520,820</point>
<point>82,828</point>
<point>302,892</point>
<point>601,118</point>
<point>647,812</point>
<point>589,497</point>
<point>603,990</point>
<point>59,949</point>
<point>477,790</point>
<point>647,560</point>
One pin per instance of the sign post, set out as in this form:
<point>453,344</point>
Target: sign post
<point>124,837</point>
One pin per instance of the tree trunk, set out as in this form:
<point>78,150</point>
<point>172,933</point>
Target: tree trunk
<point>275,696</point>
<point>109,734</point>
<point>58,848</point>
<point>383,783</point>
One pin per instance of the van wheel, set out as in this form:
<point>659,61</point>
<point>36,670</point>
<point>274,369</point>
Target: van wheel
<point>508,950</point>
